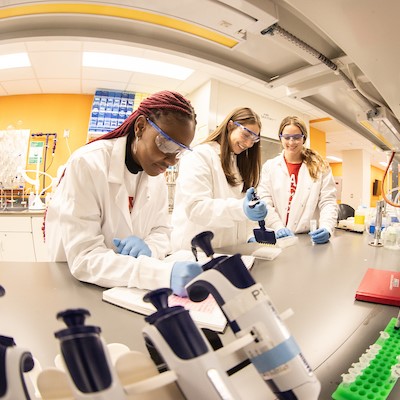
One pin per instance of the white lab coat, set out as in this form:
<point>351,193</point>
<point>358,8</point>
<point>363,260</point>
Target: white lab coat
<point>204,201</point>
<point>90,208</point>
<point>312,199</point>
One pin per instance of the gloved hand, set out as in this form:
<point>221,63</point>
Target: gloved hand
<point>182,273</point>
<point>252,240</point>
<point>320,236</point>
<point>132,246</point>
<point>283,232</point>
<point>254,212</point>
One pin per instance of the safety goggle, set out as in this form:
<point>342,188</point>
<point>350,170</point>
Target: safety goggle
<point>295,138</point>
<point>166,144</point>
<point>248,133</point>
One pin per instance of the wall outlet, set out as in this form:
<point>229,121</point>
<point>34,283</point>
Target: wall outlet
<point>66,133</point>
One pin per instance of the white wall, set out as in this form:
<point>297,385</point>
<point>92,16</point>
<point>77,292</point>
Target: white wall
<point>201,101</point>
<point>356,171</point>
<point>226,98</point>
<point>214,100</point>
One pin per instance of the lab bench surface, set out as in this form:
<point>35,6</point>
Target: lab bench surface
<point>317,282</point>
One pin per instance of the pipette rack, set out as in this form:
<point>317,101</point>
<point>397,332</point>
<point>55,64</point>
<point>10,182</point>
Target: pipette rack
<point>382,368</point>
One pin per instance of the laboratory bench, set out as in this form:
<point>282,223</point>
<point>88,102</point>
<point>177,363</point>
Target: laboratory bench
<point>316,282</point>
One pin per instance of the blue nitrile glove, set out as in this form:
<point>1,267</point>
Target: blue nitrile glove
<point>132,246</point>
<point>320,236</point>
<point>254,212</point>
<point>182,273</point>
<point>252,240</point>
<point>283,232</point>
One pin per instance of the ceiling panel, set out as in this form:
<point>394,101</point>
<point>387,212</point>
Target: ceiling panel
<point>56,64</point>
<point>103,74</point>
<point>90,86</point>
<point>269,65</point>
<point>64,85</point>
<point>17,74</point>
<point>21,86</point>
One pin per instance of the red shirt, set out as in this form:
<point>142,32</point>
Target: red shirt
<point>293,170</point>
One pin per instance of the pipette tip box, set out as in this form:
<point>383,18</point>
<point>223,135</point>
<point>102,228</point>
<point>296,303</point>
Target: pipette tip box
<point>376,372</point>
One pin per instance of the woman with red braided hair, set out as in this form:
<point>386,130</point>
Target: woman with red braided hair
<point>109,216</point>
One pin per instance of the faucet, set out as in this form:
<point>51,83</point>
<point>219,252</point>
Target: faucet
<point>380,206</point>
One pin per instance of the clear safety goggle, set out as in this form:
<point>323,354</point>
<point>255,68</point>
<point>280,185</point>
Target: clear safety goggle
<point>166,144</point>
<point>248,133</point>
<point>295,138</point>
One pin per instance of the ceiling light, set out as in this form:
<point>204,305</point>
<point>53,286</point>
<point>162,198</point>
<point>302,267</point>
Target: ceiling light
<point>16,60</point>
<point>135,64</point>
<point>383,163</point>
<point>384,126</point>
<point>333,158</point>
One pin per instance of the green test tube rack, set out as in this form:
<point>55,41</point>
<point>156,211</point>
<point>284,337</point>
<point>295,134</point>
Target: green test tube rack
<point>375,374</point>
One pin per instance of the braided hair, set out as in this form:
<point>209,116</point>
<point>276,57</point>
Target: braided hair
<point>161,103</point>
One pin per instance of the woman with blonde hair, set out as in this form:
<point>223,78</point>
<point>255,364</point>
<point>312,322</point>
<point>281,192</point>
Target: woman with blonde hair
<point>216,182</point>
<point>298,187</point>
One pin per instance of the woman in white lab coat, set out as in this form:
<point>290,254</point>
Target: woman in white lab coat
<point>298,187</point>
<point>109,216</point>
<point>212,182</point>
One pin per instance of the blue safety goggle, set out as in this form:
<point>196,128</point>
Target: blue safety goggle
<point>166,144</point>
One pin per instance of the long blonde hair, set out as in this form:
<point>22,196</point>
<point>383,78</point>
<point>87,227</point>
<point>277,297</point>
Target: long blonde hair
<point>315,163</point>
<point>249,161</point>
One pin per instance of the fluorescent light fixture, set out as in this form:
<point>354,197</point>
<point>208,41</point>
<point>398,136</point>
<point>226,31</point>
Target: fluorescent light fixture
<point>384,126</point>
<point>333,158</point>
<point>135,64</point>
<point>16,60</point>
